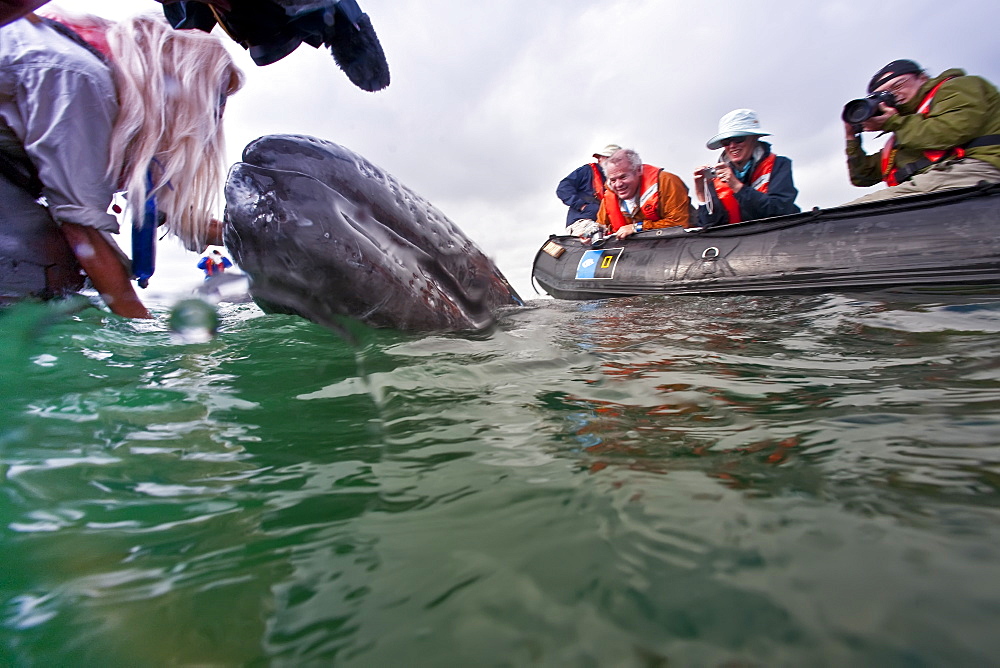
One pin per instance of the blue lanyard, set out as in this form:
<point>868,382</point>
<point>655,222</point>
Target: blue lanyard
<point>144,238</point>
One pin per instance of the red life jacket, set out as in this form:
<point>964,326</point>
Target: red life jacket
<point>759,180</point>
<point>211,267</point>
<point>91,30</point>
<point>890,172</point>
<point>597,181</point>
<point>649,200</point>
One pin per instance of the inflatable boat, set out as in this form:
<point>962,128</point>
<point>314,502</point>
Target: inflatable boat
<point>949,238</point>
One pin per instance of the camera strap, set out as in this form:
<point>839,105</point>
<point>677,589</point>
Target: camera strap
<point>985,140</point>
<point>907,171</point>
<point>708,192</point>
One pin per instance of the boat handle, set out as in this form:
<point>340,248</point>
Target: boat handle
<point>710,253</point>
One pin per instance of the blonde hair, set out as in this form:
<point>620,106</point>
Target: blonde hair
<point>172,86</point>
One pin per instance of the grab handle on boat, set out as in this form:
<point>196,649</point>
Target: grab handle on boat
<point>710,253</point>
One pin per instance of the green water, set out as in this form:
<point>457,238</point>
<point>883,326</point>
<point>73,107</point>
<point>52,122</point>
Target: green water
<point>739,481</point>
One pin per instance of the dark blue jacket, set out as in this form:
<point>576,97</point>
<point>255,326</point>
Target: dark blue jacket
<point>577,192</point>
<point>777,201</point>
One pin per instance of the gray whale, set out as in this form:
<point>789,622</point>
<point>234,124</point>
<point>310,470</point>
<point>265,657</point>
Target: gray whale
<point>325,234</point>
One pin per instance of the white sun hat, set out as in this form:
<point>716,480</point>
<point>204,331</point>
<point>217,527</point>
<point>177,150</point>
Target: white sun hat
<point>607,151</point>
<point>737,123</point>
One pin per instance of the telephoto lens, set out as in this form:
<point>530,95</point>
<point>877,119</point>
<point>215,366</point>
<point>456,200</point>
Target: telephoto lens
<point>859,111</point>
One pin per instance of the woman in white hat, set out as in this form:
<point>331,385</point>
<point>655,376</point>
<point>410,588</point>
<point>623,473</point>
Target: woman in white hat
<point>750,181</point>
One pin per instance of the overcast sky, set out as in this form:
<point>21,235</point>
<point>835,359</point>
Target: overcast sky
<point>492,103</point>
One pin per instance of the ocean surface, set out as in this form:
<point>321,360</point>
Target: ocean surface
<point>683,481</point>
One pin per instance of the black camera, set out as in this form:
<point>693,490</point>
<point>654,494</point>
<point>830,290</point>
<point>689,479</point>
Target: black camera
<point>859,111</point>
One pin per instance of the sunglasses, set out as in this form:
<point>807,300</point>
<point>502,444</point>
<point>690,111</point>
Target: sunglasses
<point>733,140</point>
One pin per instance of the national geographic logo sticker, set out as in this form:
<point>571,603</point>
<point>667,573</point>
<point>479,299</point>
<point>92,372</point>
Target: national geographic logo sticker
<point>598,263</point>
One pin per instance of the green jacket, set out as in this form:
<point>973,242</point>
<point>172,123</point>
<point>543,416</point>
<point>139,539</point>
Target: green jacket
<point>964,108</point>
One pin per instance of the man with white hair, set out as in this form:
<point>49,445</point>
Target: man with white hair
<point>641,197</point>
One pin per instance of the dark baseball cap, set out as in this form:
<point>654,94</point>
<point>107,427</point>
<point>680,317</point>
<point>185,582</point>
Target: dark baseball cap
<point>893,70</point>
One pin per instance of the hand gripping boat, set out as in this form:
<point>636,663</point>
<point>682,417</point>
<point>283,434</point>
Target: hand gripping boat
<point>949,238</point>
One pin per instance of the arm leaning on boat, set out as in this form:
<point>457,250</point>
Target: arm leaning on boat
<point>641,197</point>
<point>749,181</point>
<point>74,128</point>
<point>945,133</point>
<point>58,106</point>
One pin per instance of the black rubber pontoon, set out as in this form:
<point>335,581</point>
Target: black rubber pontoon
<point>940,239</point>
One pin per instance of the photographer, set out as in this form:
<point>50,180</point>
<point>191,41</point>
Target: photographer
<point>749,181</point>
<point>945,132</point>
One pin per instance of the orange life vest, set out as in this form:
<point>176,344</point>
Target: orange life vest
<point>649,200</point>
<point>597,181</point>
<point>890,172</point>
<point>759,181</point>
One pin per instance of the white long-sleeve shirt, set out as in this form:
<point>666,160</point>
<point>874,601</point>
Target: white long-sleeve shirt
<point>58,102</point>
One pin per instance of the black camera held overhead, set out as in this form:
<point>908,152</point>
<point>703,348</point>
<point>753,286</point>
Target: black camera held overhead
<point>857,112</point>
